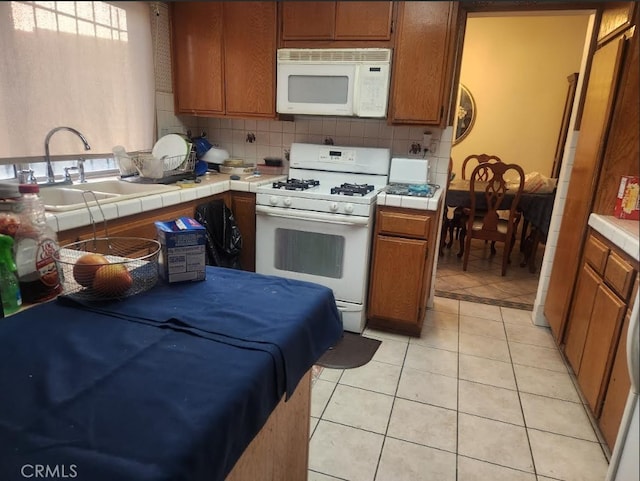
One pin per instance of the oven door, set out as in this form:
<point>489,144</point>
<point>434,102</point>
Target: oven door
<point>328,249</point>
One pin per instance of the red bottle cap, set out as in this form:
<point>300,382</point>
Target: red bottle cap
<point>29,188</point>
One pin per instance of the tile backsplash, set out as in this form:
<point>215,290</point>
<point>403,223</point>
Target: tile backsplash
<point>252,139</point>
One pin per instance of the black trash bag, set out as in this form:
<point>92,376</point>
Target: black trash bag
<point>224,241</point>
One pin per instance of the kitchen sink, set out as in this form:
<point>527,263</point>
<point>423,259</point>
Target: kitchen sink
<point>72,197</point>
<point>120,187</point>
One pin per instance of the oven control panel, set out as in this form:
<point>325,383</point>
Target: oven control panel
<point>337,155</point>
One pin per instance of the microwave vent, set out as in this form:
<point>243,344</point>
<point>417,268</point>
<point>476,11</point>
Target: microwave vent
<point>335,55</point>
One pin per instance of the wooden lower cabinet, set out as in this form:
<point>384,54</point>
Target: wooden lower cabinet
<point>595,338</point>
<point>588,283</point>
<point>599,347</point>
<point>136,225</point>
<point>617,390</point>
<point>142,225</point>
<point>401,269</point>
<point>243,205</point>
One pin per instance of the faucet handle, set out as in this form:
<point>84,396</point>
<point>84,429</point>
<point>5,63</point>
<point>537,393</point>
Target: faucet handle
<point>26,176</point>
<point>81,171</point>
<point>67,175</point>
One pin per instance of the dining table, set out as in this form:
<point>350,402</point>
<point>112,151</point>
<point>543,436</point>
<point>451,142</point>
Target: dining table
<point>536,209</point>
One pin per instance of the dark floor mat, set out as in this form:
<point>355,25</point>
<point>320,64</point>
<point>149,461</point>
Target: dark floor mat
<point>351,351</point>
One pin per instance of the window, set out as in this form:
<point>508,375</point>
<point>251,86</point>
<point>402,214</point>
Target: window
<point>86,65</point>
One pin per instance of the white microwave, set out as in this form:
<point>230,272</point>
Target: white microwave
<point>351,82</point>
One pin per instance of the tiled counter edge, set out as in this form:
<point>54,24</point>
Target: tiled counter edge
<point>61,221</point>
<point>411,202</point>
<point>625,234</point>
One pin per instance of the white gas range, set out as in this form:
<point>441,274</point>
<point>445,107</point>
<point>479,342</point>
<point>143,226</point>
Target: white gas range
<point>317,225</point>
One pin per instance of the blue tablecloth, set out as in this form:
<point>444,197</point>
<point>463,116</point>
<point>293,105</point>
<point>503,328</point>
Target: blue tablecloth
<point>171,384</point>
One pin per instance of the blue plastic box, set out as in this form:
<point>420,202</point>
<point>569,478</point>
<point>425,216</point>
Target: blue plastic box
<point>182,256</point>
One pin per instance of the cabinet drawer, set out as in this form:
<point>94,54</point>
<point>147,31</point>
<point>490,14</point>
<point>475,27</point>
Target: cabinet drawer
<point>405,224</point>
<point>619,275</point>
<point>595,253</point>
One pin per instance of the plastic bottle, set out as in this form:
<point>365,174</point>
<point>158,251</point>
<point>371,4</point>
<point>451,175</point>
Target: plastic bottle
<point>35,244</point>
<point>11,298</point>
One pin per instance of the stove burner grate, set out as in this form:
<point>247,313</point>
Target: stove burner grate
<point>352,189</point>
<point>296,184</point>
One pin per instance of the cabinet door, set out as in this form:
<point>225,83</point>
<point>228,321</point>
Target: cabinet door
<point>421,62</point>
<point>363,21</point>
<point>308,20</point>
<point>596,117</point>
<point>250,49</point>
<point>243,205</point>
<point>623,143</point>
<point>617,390</point>
<point>397,279</point>
<point>196,37</point>
<point>578,323</point>
<point>599,347</point>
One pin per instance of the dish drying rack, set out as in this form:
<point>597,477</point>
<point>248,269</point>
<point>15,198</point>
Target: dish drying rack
<point>185,168</point>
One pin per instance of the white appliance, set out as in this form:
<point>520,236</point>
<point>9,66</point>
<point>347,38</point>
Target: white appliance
<point>352,82</point>
<point>409,171</point>
<point>317,226</point>
<point>624,465</point>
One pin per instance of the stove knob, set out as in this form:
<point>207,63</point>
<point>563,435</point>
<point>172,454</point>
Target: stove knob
<point>287,201</point>
<point>333,207</point>
<point>273,200</point>
<point>348,208</point>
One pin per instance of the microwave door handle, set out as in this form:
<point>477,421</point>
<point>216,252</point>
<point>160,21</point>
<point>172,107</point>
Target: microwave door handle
<point>312,216</point>
<point>356,91</point>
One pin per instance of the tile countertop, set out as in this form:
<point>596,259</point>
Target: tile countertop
<point>411,202</point>
<point>211,184</point>
<point>624,234</point>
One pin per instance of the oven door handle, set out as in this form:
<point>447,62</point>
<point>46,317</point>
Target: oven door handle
<point>313,216</point>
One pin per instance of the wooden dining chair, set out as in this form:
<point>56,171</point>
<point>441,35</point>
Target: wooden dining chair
<point>492,226</point>
<point>481,159</point>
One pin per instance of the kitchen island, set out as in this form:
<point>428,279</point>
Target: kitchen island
<point>171,384</point>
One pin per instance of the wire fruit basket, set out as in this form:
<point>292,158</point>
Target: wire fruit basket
<point>104,268</point>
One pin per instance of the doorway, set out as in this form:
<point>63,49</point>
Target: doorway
<point>515,68</point>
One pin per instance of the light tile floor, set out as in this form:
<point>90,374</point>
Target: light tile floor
<point>482,395</point>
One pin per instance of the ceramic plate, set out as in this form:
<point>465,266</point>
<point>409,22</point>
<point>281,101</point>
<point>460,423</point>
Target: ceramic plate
<point>173,149</point>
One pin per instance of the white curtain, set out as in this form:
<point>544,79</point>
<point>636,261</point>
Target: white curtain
<point>86,65</point>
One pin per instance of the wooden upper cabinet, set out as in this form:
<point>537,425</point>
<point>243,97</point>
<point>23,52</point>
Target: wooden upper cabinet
<point>336,20</point>
<point>196,38</point>
<point>224,58</point>
<point>308,20</point>
<point>249,62</point>
<point>422,62</point>
<point>363,20</point>
<point>623,143</point>
<point>616,17</point>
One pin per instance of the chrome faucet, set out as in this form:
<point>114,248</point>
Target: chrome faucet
<point>50,176</point>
